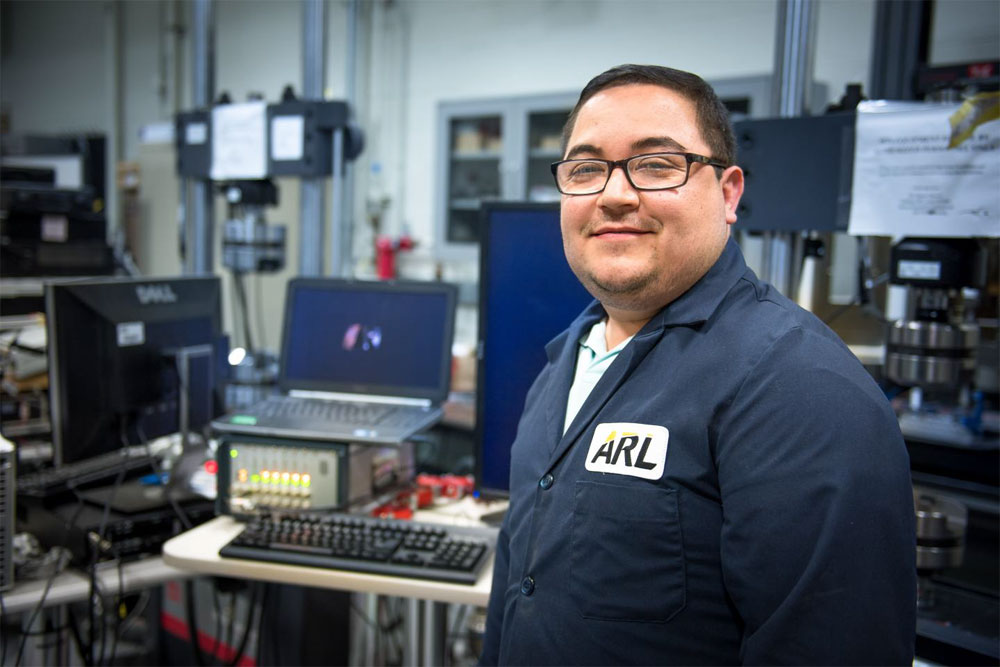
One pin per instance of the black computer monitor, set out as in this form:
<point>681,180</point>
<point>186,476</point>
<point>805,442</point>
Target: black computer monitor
<point>118,350</point>
<point>527,296</point>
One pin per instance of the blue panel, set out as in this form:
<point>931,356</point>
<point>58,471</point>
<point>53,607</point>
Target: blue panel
<point>528,295</point>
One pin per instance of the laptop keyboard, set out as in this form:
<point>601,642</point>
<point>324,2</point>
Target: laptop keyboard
<point>349,413</point>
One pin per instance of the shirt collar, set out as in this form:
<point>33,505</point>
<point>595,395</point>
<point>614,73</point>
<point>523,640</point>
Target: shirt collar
<point>595,341</point>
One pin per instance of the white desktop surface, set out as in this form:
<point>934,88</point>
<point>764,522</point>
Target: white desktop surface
<point>198,550</point>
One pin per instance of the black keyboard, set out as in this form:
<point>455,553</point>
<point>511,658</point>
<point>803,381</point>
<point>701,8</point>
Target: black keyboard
<point>56,483</point>
<point>454,554</point>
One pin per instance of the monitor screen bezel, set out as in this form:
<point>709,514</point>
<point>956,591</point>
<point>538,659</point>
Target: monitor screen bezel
<point>436,394</point>
<point>59,347</point>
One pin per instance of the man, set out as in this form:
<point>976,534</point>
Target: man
<point>703,473</point>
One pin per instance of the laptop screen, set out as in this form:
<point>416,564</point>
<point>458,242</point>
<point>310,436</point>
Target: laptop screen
<point>366,337</point>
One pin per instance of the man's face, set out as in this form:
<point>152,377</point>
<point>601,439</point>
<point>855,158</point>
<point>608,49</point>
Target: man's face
<point>639,250</point>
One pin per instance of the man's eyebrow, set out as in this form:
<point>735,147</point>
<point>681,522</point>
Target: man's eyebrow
<point>665,143</point>
<point>580,149</point>
<point>658,142</point>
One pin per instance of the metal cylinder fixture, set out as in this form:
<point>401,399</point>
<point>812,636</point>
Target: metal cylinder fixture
<point>931,353</point>
<point>941,526</point>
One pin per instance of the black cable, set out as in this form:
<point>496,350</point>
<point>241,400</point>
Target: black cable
<point>217,632</point>
<point>363,616</point>
<point>158,469</point>
<point>102,621</point>
<point>199,658</point>
<point>259,655</point>
<point>137,610</point>
<point>260,626</point>
<point>48,584</point>
<point>275,642</point>
<point>74,627</point>
<point>251,612</point>
<point>3,632</point>
<point>94,557</point>
<point>119,600</point>
<point>373,625</point>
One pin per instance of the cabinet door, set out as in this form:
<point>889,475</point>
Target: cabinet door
<point>544,147</point>
<point>474,172</point>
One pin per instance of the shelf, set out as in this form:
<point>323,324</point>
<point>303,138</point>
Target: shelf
<point>464,204</point>
<point>19,429</point>
<point>544,154</point>
<point>476,156</point>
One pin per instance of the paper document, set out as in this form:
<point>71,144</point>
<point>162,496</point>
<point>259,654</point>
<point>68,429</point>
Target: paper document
<point>909,182</point>
<point>239,141</point>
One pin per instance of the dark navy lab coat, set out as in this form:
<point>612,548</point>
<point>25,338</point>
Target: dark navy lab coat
<point>781,529</point>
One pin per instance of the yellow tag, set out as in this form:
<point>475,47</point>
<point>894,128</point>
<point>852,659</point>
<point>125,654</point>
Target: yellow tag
<point>978,109</point>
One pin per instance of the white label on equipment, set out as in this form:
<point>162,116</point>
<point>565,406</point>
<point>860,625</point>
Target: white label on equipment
<point>131,333</point>
<point>196,134</point>
<point>917,270</point>
<point>287,137</point>
<point>55,228</point>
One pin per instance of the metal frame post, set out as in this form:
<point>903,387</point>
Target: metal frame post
<point>793,74</point>
<point>311,242</point>
<point>199,216</point>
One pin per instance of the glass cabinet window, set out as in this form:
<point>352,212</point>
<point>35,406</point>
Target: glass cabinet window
<point>544,148</point>
<point>492,149</point>
<point>476,151</point>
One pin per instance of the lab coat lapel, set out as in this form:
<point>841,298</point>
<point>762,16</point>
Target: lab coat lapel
<point>628,359</point>
<point>562,353</point>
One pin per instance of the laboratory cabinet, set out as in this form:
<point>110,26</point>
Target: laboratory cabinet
<point>496,149</point>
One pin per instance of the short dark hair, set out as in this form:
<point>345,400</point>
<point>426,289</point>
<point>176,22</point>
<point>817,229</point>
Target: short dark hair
<point>712,116</point>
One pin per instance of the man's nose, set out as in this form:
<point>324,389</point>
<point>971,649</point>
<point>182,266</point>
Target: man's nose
<point>619,193</point>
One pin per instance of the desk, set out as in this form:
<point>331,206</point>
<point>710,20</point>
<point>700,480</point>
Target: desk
<point>198,550</point>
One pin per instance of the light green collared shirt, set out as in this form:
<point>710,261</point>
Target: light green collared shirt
<point>591,362</point>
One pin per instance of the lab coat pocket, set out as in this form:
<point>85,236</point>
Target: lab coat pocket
<point>627,552</point>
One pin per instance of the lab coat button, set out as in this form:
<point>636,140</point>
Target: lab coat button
<point>546,482</point>
<point>527,586</point>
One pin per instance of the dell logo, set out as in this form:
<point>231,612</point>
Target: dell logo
<point>155,294</point>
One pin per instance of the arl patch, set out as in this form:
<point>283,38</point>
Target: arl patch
<point>639,450</point>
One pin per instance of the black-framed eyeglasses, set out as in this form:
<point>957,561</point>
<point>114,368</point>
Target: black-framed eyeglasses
<point>652,171</point>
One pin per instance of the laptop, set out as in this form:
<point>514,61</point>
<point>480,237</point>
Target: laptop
<point>361,361</point>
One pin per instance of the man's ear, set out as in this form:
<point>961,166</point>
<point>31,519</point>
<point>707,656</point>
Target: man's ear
<point>732,190</point>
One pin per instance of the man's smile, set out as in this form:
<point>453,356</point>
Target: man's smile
<point>611,232</point>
